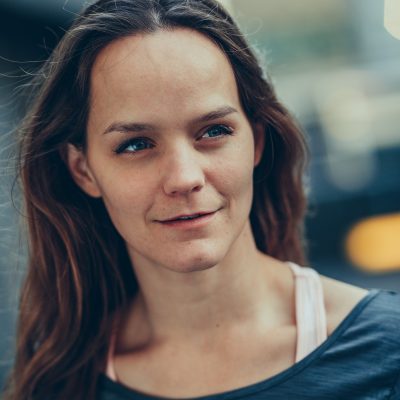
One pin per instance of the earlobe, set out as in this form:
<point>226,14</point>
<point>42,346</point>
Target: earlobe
<point>80,171</point>
<point>259,142</point>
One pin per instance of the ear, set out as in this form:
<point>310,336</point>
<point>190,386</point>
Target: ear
<point>259,142</point>
<point>80,171</point>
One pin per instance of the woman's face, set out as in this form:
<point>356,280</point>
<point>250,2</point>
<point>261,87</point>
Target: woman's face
<point>167,136</point>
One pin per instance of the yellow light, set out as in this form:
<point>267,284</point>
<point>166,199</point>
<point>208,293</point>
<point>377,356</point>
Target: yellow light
<point>374,244</point>
<point>391,19</point>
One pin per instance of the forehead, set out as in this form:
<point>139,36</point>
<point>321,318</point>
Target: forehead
<point>176,68</point>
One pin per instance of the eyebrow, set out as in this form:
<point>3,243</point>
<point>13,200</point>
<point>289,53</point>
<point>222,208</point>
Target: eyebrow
<point>126,127</point>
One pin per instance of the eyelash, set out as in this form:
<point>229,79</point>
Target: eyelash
<point>226,130</point>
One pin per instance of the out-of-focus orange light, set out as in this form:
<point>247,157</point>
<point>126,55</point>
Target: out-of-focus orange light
<point>374,243</point>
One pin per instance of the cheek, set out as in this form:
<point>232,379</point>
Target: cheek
<point>126,197</point>
<point>237,169</point>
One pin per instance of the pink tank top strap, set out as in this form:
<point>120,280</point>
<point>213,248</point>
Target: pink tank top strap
<point>110,371</point>
<point>310,310</point>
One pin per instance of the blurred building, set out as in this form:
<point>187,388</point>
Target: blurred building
<point>336,68</point>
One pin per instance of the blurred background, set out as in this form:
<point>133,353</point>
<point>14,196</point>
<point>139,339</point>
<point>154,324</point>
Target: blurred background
<point>336,68</point>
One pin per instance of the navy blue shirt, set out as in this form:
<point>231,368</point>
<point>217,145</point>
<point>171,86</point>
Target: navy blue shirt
<point>359,360</point>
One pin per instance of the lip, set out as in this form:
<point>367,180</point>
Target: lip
<point>190,223</point>
<point>187,215</point>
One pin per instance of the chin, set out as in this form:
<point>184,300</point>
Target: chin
<point>195,268</point>
<point>194,264</point>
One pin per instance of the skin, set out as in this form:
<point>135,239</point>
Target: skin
<point>206,290</point>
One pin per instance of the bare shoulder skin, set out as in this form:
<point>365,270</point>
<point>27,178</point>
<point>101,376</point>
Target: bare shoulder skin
<point>340,299</point>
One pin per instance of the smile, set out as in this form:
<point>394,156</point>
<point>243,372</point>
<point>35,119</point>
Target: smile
<point>190,222</point>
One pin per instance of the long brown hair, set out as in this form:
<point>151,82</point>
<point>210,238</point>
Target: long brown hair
<point>79,273</point>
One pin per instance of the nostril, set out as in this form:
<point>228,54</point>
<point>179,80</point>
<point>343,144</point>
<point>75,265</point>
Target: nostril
<point>175,187</point>
<point>195,189</point>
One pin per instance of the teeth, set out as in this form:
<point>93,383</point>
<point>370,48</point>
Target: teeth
<point>192,217</point>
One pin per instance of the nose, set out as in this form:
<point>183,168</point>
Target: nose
<point>182,172</point>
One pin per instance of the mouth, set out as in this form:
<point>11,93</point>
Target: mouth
<point>188,217</point>
<point>193,221</point>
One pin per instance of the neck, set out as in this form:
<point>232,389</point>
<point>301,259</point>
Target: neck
<point>243,291</point>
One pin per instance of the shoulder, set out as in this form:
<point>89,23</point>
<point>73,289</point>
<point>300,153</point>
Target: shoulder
<point>376,307</point>
<point>340,299</point>
<point>364,337</point>
<point>365,323</point>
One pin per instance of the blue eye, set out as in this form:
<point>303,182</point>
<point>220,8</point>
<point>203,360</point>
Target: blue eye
<point>218,131</point>
<point>134,145</point>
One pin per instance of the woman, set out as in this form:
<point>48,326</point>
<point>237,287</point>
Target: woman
<point>164,199</point>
